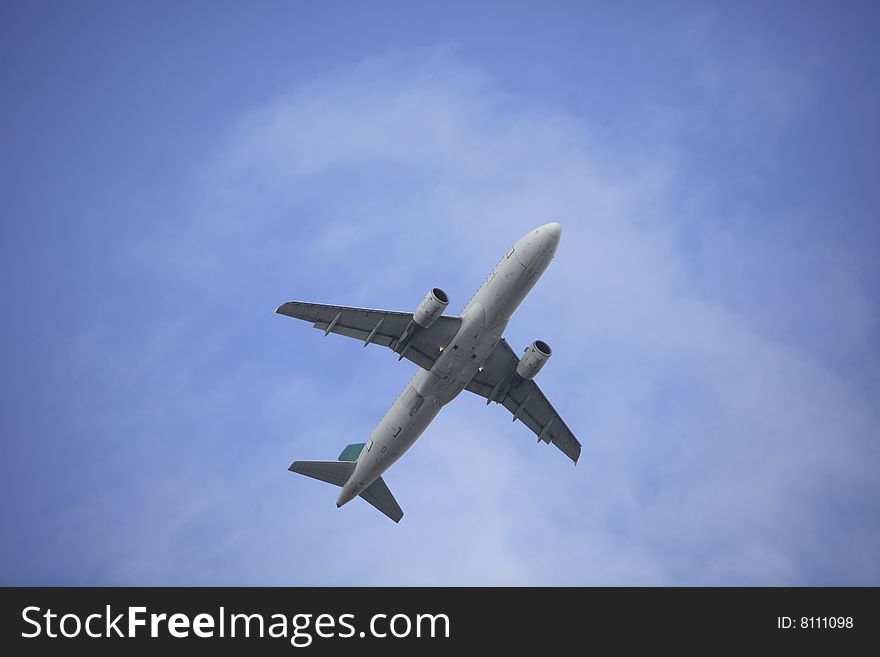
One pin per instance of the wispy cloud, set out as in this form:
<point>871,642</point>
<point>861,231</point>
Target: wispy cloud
<point>716,450</point>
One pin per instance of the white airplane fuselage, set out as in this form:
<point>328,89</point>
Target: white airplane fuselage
<point>482,325</point>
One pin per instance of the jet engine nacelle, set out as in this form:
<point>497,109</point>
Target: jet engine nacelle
<point>431,308</point>
<point>534,358</point>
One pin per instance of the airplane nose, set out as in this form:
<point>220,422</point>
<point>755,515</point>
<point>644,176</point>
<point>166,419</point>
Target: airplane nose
<point>552,230</point>
<point>550,234</point>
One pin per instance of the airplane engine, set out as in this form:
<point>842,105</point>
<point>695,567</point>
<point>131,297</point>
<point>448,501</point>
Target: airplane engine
<point>534,358</point>
<point>431,307</point>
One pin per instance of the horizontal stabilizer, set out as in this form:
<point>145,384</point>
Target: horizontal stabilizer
<point>351,452</point>
<point>338,473</point>
<point>333,472</point>
<point>380,497</point>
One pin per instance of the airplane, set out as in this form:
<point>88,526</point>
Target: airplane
<point>466,352</point>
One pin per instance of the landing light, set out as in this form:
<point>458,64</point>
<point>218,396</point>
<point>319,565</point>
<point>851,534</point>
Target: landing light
<point>441,348</point>
<point>480,368</point>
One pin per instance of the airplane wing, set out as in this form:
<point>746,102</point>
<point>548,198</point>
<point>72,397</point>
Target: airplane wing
<point>382,327</point>
<point>526,401</point>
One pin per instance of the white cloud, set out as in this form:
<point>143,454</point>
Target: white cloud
<point>714,452</point>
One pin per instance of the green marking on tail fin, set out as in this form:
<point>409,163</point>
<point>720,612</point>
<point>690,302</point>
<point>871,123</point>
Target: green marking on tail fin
<point>351,452</point>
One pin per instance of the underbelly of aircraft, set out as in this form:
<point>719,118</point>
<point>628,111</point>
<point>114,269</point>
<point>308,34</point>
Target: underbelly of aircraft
<point>429,391</point>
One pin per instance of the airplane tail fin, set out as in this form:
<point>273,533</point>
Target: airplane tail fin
<point>333,472</point>
<point>338,472</point>
<point>351,452</point>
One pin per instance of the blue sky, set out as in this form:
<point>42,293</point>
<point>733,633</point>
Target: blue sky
<point>173,171</point>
